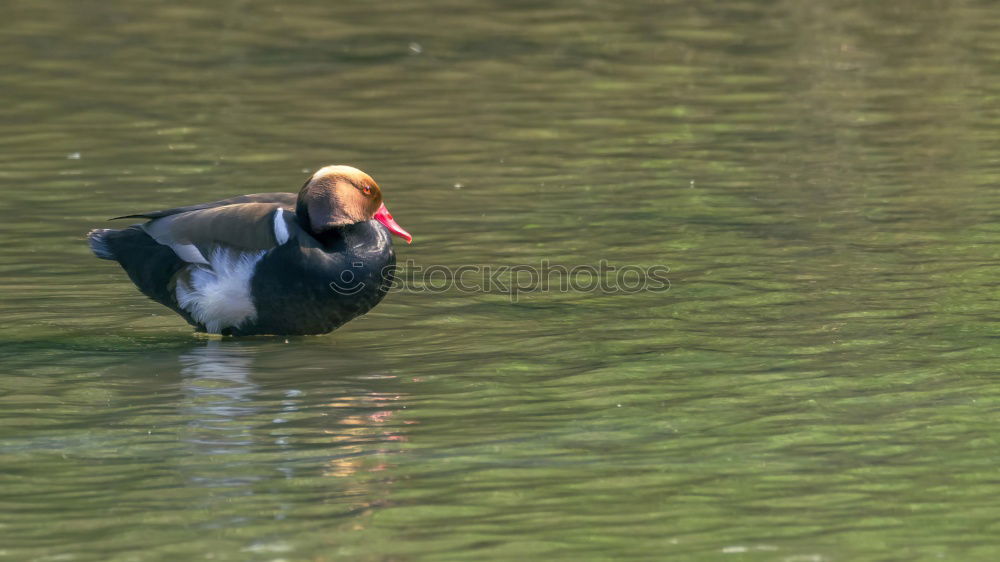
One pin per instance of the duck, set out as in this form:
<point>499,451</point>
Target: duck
<point>300,263</point>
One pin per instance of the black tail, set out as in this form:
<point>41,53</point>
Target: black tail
<point>98,240</point>
<point>149,264</point>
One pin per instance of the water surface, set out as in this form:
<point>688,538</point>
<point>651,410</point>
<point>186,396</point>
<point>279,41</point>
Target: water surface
<point>818,384</point>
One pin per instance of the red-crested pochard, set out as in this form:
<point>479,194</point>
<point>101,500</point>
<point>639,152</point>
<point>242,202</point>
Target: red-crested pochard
<point>268,263</point>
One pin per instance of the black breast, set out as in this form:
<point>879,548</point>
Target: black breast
<point>313,286</point>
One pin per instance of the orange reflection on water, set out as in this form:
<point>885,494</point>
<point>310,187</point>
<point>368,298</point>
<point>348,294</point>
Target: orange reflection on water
<point>360,438</point>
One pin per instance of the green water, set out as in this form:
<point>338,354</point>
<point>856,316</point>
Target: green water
<point>818,384</point>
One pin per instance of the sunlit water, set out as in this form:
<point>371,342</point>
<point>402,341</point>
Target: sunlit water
<point>818,384</point>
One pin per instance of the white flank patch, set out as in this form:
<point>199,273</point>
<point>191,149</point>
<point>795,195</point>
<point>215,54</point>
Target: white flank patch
<point>280,229</point>
<point>218,296</point>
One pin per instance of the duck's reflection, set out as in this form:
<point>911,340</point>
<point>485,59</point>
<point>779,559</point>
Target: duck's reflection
<point>218,403</point>
<point>256,414</point>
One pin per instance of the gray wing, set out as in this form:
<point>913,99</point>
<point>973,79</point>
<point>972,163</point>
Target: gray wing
<point>196,234</point>
<point>286,200</point>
